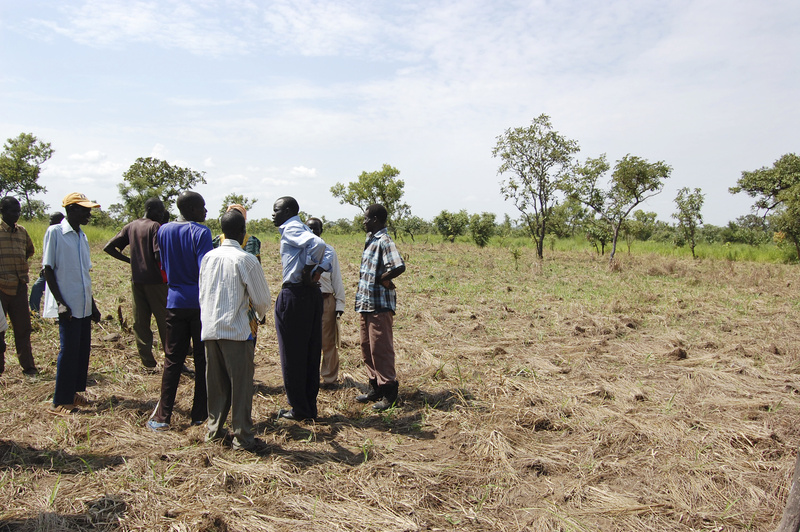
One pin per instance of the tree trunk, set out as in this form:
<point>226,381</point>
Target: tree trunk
<point>613,245</point>
<point>791,514</point>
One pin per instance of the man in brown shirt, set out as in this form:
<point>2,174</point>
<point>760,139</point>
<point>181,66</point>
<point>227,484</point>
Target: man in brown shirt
<point>147,284</point>
<point>16,249</point>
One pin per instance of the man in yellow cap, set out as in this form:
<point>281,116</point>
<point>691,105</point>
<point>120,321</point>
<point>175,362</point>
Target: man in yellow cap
<point>66,262</point>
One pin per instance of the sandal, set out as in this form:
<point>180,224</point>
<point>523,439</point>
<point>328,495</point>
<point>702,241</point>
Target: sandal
<point>62,410</point>
<point>80,400</point>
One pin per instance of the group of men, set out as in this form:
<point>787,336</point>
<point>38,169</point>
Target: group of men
<point>208,296</point>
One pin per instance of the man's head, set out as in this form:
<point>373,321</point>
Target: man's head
<point>233,225</point>
<point>284,208</point>
<point>154,209</point>
<point>56,218</point>
<point>192,206</point>
<point>315,224</point>
<point>9,210</point>
<point>375,217</point>
<point>78,208</point>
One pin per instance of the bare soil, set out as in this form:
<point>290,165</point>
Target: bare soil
<point>561,395</point>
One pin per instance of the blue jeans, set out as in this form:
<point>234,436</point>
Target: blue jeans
<point>72,367</point>
<point>37,290</point>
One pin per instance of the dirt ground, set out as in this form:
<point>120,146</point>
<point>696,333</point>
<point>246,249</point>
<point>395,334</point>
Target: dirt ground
<point>560,395</point>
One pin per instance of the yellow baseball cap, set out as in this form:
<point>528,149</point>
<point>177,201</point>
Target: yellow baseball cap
<point>80,199</point>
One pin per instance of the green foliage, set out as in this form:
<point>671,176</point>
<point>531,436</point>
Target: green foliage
<point>537,160</point>
<point>381,187</point>
<point>414,226</point>
<point>236,199</point>
<point>777,191</point>
<point>451,224</point>
<point>482,226</point>
<point>689,217</point>
<point>20,164</point>
<point>633,181</point>
<point>149,177</point>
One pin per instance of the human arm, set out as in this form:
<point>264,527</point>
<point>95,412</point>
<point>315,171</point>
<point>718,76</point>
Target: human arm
<point>52,284</point>
<point>393,264</point>
<point>117,244</point>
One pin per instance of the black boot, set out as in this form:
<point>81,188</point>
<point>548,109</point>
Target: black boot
<point>372,395</point>
<point>389,393</point>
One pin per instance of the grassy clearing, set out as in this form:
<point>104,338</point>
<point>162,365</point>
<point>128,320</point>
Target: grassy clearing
<point>555,395</point>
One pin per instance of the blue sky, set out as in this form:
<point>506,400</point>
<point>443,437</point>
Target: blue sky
<point>273,98</point>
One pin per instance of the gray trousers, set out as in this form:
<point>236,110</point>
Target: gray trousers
<point>330,340</point>
<point>229,380</point>
<point>149,300</point>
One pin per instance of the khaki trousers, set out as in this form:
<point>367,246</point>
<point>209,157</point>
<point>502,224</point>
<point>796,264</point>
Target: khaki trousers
<point>330,340</point>
<point>229,381</point>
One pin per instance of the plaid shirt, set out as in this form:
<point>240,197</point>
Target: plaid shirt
<point>16,248</point>
<point>380,256</point>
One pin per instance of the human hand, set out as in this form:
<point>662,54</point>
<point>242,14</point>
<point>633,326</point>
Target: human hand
<point>64,312</point>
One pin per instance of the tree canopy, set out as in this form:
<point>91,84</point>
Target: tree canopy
<point>20,164</point>
<point>236,199</point>
<point>536,159</point>
<point>633,181</point>
<point>380,186</point>
<point>148,177</point>
<point>777,194</point>
<point>689,216</point>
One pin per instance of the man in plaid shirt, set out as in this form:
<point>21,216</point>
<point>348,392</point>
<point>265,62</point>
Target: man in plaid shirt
<point>16,249</point>
<point>375,302</point>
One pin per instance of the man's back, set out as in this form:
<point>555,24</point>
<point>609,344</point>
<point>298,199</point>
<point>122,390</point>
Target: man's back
<point>141,236</point>
<point>182,247</point>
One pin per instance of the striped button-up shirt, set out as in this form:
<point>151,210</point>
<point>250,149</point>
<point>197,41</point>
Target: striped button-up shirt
<point>380,256</point>
<point>230,279</point>
<point>16,248</point>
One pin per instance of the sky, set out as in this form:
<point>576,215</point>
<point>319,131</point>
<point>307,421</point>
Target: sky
<point>276,98</point>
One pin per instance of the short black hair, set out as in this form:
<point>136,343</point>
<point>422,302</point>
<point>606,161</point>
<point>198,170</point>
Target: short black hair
<point>315,220</point>
<point>378,211</point>
<point>153,203</point>
<point>56,218</point>
<point>7,202</point>
<point>232,222</point>
<point>290,203</point>
<point>187,199</point>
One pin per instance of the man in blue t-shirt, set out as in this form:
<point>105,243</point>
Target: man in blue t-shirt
<point>183,244</point>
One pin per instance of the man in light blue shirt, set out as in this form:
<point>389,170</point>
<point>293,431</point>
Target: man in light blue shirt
<point>298,309</point>
<point>65,257</point>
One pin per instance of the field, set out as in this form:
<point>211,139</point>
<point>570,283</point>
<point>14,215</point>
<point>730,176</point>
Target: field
<point>555,395</point>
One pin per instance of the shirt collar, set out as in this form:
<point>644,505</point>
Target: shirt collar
<point>230,242</point>
<point>67,228</point>
<point>7,227</point>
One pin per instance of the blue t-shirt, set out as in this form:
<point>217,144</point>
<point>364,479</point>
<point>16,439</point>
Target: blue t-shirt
<point>183,246</point>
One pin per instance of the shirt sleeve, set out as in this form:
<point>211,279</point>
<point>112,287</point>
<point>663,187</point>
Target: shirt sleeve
<point>336,282</point>
<point>257,287</point>
<point>204,244</point>
<point>49,248</point>
<point>121,240</point>
<point>391,256</point>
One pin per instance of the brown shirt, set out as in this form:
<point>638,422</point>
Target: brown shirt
<point>16,247</point>
<point>140,235</point>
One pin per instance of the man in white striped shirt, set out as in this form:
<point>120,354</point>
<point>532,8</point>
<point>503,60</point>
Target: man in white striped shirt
<point>231,278</point>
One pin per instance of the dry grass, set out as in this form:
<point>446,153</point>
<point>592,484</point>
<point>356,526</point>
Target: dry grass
<point>662,395</point>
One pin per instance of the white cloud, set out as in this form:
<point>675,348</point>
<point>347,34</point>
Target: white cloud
<point>91,156</point>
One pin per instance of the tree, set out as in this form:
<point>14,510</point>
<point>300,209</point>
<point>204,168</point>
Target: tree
<point>777,191</point>
<point>413,225</point>
<point>640,227</point>
<point>451,224</point>
<point>538,160</point>
<point>20,164</point>
<point>234,199</point>
<point>689,217</point>
<point>381,187</point>
<point>633,181</point>
<point>482,227</point>
<point>148,177</point>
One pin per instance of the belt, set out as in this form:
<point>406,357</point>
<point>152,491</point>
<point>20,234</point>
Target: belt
<point>327,294</point>
<point>291,285</point>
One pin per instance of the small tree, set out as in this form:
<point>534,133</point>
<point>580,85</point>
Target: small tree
<point>234,199</point>
<point>148,177</point>
<point>538,160</point>
<point>376,187</point>
<point>689,217</point>
<point>451,224</point>
<point>20,165</point>
<point>482,227</point>
<point>633,181</point>
<point>777,191</point>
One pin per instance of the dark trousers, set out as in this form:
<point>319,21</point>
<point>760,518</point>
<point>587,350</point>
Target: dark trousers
<point>72,366</point>
<point>19,315</point>
<point>298,322</point>
<point>183,327</point>
<point>37,290</point>
<point>149,300</point>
